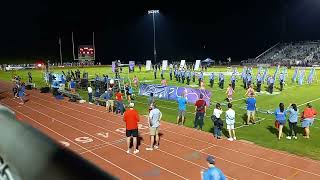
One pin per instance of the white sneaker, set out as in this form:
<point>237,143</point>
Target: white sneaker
<point>136,151</point>
<point>288,137</point>
<point>234,138</point>
<point>230,139</point>
<point>149,149</point>
<point>128,151</point>
<point>295,137</point>
<point>155,147</point>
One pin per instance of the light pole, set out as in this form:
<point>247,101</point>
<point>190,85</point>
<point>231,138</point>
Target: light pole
<point>153,12</point>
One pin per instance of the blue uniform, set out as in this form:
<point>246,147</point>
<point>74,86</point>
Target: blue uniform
<point>213,173</point>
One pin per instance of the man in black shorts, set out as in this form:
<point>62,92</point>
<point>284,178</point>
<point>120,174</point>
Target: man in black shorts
<point>131,118</point>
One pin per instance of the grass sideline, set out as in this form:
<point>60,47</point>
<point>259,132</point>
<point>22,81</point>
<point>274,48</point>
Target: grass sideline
<point>263,133</point>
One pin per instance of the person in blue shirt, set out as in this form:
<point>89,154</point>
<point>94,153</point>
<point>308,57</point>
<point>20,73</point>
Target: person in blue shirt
<point>162,71</point>
<point>179,75</point>
<point>249,79</point>
<point>21,92</point>
<point>221,80</point>
<point>182,102</point>
<point>293,120</point>
<point>280,114</point>
<point>211,79</point>
<point>259,82</point>
<point>281,79</point>
<point>251,109</point>
<point>188,74</point>
<point>233,81</point>
<point>183,77</point>
<point>193,74</point>
<point>212,173</point>
<point>271,82</point>
<point>244,77</point>
<point>200,77</point>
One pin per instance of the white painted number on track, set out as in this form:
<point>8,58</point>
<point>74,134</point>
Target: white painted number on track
<point>121,130</point>
<point>83,139</point>
<point>103,134</point>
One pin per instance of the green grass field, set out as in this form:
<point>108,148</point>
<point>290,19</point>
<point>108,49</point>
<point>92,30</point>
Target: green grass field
<point>262,133</point>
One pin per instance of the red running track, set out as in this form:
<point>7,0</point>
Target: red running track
<point>98,136</point>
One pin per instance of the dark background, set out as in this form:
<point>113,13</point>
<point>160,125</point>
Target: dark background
<point>184,29</point>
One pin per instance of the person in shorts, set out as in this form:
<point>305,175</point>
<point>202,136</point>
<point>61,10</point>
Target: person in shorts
<point>182,102</point>
<point>307,118</point>
<point>154,122</point>
<point>230,121</point>
<point>251,109</point>
<point>280,114</point>
<point>131,118</point>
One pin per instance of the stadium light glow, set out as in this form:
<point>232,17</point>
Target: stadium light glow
<point>39,65</point>
<point>153,12</point>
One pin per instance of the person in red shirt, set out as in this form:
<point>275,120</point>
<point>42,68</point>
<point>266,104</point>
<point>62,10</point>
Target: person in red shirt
<point>131,118</point>
<point>119,102</point>
<point>307,118</point>
<point>200,108</point>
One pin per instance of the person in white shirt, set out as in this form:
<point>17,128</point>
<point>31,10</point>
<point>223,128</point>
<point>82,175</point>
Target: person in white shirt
<point>154,122</point>
<point>90,94</point>
<point>230,121</point>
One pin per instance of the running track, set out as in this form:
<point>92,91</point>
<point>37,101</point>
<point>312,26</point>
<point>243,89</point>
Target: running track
<point>98,136</point>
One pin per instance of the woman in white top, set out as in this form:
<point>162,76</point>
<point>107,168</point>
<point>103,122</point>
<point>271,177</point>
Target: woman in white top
<point>230,121</point>
<point>90,94</point>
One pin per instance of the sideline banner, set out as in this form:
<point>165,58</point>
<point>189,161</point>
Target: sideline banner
<point>173,92</point>
<point>113,66</point>
<point>131,65</point>
<point>164,64</point>
<point>197,65</point>
<point>182,63</point>
<point>148,65</point>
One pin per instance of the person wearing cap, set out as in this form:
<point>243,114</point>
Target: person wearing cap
<point>212,173</point>
<point>131,118</point>
<point>307,118</point>
<point>154,122</point>
<point>251,108</point>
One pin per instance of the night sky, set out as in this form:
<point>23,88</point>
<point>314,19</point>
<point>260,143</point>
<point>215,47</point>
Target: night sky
<point>184,29</point>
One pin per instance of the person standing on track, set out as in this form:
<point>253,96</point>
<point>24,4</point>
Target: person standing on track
<point>131,118</point>
<point>154,122</point>
<point>21,92</point>
<point>307,118</point>
<point>212,173</point>
<point>182,102</point>
<point>280,114</point>
<point>119,100</point>
<point>293,120</point>
<point>200,111</point>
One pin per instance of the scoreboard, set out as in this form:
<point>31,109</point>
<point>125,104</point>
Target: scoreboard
<point>86,53</point>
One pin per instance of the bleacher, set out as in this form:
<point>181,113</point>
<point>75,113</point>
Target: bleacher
<point>69,94</point>
<point>299,53</point>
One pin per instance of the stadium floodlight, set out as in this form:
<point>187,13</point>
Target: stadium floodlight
<point>153,12</point>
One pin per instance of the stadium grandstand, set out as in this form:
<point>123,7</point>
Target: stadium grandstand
<point>305,53</point>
